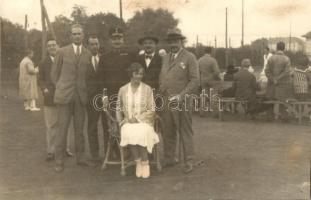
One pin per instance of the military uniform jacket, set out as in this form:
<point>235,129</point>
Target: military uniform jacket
<point>113,66</point>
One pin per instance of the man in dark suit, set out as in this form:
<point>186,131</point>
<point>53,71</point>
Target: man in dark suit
<point>48,89</point>
<point>69,75</point>
<point>179,79</point>
<point>94,89</point>
<point>150,60</point>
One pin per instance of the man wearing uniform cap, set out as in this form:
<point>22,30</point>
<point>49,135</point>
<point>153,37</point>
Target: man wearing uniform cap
<point>179,78</point>
<point>113,66</point>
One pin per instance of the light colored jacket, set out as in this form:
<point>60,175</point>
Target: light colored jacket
<point>180,77</point>
<point>69,74</point>
<point>209,70</point>
<point>144,108</point>
<point>279,68</point>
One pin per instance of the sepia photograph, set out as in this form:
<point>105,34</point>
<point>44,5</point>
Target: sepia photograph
<point>155,99</point>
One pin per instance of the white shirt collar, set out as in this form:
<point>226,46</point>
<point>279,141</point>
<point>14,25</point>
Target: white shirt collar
<point>176,54</point>
<point>150,54</point>
<point>76,46</point>
<point>96,56</point>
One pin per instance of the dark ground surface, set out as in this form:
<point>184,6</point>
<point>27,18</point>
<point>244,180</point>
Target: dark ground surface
<point>244,160</point>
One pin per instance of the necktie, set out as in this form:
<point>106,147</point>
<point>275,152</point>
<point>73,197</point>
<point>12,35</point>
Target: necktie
<point>78,51</point>
<point>172,58</point>
<point>95,63</point>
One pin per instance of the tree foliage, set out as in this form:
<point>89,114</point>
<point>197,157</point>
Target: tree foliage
<point>99,25</point>
<point>78,14</point>
<point>13,43</point>
<point>61,26</point>
<point>149,20</point>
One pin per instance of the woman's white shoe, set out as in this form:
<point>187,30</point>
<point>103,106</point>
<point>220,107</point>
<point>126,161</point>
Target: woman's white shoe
<point>145,169</point>
<point>138,168</point>
<point>35,109</point>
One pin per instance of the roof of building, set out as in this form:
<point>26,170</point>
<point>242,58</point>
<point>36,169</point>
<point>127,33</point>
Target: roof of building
<point>286,40</point>
<point>307,35</point>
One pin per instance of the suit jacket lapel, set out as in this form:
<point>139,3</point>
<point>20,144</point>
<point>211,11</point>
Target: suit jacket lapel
<point>143,61</point>
<point>73,55</point>
<point>152,62</point>
<point>49,61</point>
<point>79,58</point>
<point>177,59</point>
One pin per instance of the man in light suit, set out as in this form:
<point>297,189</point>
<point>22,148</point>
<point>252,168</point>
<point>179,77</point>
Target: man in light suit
<point>209,70</point>
<point>179,78</point>
<point>278,72</point>
<point>69,75</point>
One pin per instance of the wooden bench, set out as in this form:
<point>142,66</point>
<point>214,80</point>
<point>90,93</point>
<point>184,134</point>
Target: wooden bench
<point>302,109</point>
<point>298,109</point>
<point>223,102</point>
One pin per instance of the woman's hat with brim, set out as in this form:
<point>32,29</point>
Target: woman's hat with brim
<point>174,34</point>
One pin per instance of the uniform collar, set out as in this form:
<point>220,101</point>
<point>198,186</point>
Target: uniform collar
<point>279,52</point>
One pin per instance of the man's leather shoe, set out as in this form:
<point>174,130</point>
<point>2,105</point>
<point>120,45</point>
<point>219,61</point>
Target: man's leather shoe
<point>69,153</point>
<point>188,168</point>
<point>59,167</point>
<point>49,157</point>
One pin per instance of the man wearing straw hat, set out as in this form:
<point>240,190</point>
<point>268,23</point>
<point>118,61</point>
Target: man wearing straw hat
<point>179,78</point>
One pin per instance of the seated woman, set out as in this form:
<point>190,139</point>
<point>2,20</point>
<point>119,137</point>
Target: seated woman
<point>135,114</point>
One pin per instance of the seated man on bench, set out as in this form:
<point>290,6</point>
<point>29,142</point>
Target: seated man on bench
<point>245,86</point>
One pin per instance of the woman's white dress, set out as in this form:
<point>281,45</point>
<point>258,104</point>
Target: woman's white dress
<point>28,88</point>
<point>139,105</point>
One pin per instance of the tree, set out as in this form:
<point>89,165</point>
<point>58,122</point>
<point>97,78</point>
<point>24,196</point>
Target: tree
<point>13,44</point>
<point>61,27</point>
<point>34,43</point>
<point>149,20</point>
<point>79,14</point>
<point>99,25</point>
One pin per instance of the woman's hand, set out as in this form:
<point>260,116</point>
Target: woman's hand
<point>133,120</point>
<point>105,102</point>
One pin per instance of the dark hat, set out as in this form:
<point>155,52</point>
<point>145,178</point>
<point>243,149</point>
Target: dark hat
<point>116,32</point>
<point>173,34</point>
<point>148,36</point>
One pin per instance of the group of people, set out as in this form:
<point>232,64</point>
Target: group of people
<point>278,80</point>
<point>72,77</point>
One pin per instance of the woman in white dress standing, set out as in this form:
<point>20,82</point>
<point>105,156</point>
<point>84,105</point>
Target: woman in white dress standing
<point>135,114</point>
<point>28,88</point>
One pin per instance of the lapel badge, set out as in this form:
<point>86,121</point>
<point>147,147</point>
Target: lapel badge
<point>182,65</point>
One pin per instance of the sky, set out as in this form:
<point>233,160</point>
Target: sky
<point>202,18</point>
